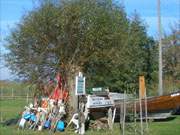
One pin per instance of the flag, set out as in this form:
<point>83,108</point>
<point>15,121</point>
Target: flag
<point>59,80</point>
<point>58,92</point>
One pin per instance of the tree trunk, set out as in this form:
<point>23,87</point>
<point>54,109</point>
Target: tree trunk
<point>73,99</point>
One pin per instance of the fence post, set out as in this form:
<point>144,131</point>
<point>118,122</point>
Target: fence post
<point>1,116</point>
<point>27,98</point>
<point>135,115</point>
<point>1,119</point>
<point>124,113</point>
<point>1,93</point>
<point>12,93</point>
<point>141,117</point>
<point>146,115</point>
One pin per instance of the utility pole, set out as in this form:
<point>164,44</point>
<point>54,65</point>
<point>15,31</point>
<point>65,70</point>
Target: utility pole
<point>160,88</point>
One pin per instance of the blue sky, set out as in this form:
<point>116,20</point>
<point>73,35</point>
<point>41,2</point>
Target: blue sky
<point>11,12</point>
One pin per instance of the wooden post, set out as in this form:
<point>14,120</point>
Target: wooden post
<point>1,93</point>
<point>81,116</point>
<point>114,115</point>
<point>135,115</point>
<point>1,116</point>
<point>12,93</point>
<point>0,107</point>
<point>141,96</point>
<point>27,97</point>
<point>124,113</point>
<point>141,119</point>
<point>110,118</point>
<point>80,91</point>
<point>121,117</point>
<point>145,100</point>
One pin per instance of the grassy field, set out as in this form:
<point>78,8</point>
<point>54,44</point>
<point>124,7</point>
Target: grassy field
<point>11,108</point>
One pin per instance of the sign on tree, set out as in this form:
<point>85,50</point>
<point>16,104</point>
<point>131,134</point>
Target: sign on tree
<point>80,84</point>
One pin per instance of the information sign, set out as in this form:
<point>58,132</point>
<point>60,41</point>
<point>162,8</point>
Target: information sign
<point>80,85</point>
<point>98,102</point>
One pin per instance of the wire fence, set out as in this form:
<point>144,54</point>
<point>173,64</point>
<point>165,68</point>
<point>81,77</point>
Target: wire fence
<point>12,102</point>
<point>11,93</point>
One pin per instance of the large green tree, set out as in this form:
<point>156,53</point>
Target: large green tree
<point>131,53</point>
<point>95,37</point>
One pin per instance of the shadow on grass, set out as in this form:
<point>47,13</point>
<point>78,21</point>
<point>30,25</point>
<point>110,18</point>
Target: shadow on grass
<point>165,120</point>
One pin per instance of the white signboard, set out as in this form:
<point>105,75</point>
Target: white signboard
<point>98,102</point>
<point>97,89</point>
<point>80,85</point>
<point>117,96</point>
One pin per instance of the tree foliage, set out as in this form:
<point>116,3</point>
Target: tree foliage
<point>171,55</point>
<point>95,37</point>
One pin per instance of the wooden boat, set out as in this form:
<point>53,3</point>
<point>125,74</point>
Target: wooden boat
<point>162,104</point>
<point>155,105</point>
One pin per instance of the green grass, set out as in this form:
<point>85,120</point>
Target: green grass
<point>11,108</point>
<point>171,127</point>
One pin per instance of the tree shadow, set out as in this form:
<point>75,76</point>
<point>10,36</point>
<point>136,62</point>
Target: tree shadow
<point>165,120</point>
